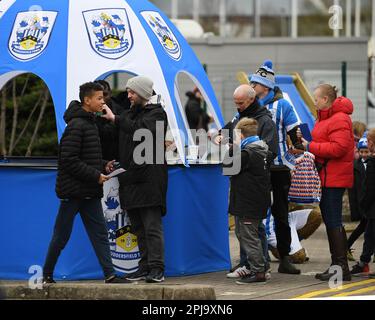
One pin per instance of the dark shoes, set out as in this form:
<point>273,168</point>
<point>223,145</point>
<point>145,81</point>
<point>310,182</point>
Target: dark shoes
<point>327,275</point>
<point>48,280</point>
<point>360,267</point>
<point>138,275</point>
<point>259,277</point>
<point>155,276</point>
<point>286,267</point>
<point>116,279</point>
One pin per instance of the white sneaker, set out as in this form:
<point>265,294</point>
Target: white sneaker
<point>239,272</point>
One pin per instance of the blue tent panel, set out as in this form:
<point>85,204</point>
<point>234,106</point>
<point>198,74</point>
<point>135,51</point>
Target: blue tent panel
<point>195,227</point>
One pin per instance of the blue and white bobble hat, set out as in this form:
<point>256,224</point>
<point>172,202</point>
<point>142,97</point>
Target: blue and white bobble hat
<point>362,144</point>
<point>265,75</point>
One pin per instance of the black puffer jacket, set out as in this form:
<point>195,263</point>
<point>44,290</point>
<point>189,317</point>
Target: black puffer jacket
<point>250,190</point>
<point>368,200</point>
<point>80,158</point>
<point>266,127</point>
<point>356,193</point>
<point>143,185</point>
<point>108,132</point>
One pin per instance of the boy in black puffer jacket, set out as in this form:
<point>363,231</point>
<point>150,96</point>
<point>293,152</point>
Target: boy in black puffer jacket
<point>368,206</point>
<point>79,182</point>
<point>250,196</point>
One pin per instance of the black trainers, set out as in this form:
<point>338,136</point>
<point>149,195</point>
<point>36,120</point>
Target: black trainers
<point>116,279</point>
<point>155,276</point>
<point>259,277</point>
<point>48,279</point>
<point>360,267</point>
<point>138,275</point>
<point>286,267</point>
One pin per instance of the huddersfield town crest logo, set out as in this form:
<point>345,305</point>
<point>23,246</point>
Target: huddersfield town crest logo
<point>30,34</point>
<point>123,243</point>
<point>109,32</point>
<point>164,34</point>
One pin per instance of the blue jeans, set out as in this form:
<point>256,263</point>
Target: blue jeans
<point>93,219</point>
<point>331,207</point>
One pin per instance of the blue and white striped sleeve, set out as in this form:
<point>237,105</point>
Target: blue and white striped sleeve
<point>290,117</point>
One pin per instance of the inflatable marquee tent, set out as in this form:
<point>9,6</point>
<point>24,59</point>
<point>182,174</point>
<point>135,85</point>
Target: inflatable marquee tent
<point>67,43</point>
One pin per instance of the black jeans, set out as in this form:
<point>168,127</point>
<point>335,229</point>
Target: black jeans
<point>280,181</point>
<point>93,219</point>
<point>369,243</point>
<point>147,226</point>
<point>357,232</point>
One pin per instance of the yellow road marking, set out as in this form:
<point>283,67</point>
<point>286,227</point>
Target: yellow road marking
<point>344,287</point>
<point>355,292</point>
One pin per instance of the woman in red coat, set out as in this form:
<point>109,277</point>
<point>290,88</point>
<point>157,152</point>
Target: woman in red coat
<point>332,145</point>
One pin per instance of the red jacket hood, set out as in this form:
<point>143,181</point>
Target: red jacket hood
<point>341,104</point>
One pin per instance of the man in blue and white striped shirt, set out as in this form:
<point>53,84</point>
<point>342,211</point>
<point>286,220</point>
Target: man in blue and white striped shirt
<point>287,123</point>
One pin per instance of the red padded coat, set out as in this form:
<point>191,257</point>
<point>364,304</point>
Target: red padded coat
<point>332,144</point>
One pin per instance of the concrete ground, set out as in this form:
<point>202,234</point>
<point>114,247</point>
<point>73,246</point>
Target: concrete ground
<point>216,285</point>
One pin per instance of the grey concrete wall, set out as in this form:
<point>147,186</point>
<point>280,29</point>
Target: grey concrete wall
<point>225,57</point>
<point>316,59</point>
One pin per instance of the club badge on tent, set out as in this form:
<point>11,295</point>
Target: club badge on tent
<point>164,33</point>
<point>109,32</point>
<point>30,34</point>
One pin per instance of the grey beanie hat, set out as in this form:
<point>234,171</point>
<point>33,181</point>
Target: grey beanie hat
<point>141,85</point>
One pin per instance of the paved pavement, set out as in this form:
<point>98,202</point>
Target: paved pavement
<point>282,286</point>
<point>207,286</point>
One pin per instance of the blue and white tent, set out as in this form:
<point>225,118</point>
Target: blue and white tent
<point>67,43</point>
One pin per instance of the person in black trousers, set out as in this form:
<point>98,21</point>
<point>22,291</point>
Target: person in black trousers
<point>356,193</point>
<point>143,187</point>
<point>367,204</point>
<point>79,183</point>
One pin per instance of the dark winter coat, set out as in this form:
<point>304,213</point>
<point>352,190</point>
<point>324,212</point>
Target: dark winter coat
<point>197,118</point>
<point>142,185</point>
<point>250,190</point>
<point>356,193</point>
<point>80,157</point>
<point>368,199</point>
<point>109,134</point>
<point>266,127</point>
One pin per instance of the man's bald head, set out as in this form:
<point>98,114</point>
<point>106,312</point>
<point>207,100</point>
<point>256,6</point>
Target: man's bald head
<point>243,97</point>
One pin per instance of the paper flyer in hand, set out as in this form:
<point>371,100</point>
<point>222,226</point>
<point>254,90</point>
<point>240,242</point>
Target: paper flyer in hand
<point>116,172</point>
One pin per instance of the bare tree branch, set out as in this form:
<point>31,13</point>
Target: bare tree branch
<point>39,121</point>
<point>29,118</point>
<point>15,116</point>
<point>25,86</point>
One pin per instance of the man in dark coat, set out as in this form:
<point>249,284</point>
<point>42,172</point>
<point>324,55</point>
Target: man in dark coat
<point>108,132</point>
<point>197,118</point>
<point>79,182</point>
<point>143,186</point>
<point>248,107</point>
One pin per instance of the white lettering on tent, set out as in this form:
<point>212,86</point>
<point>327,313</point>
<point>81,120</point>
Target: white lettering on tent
<point>109,32</point>
<point>164,34</point>
<point>30,34</point>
